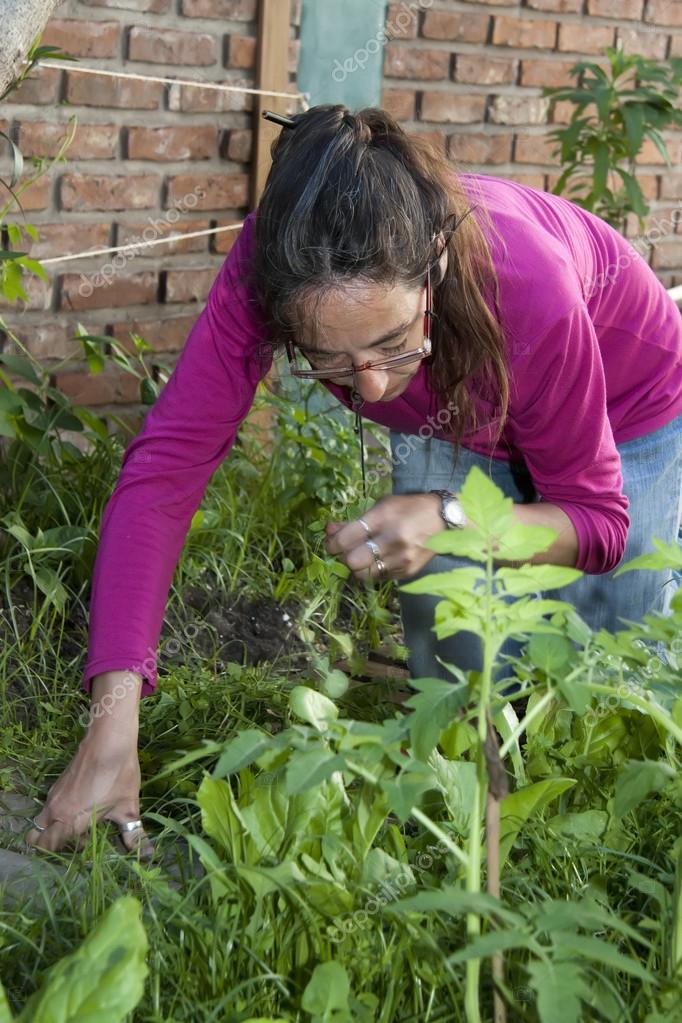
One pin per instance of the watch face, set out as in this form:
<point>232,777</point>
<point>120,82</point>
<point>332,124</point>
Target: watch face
<point>454,513</point>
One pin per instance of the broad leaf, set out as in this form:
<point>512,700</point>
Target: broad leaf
<point>327,992</point>
<point>313,707</point>
<point>517,807</point>
<point>636,781</point>
<point>103,980</point>
<point>561,988</point>
<point>241,751</point>
<point>434,708</point>
<point>536,578</point>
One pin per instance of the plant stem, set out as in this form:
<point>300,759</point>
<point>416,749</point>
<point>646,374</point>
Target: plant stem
<point>523,724</point>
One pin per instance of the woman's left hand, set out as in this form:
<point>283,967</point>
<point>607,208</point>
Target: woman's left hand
<point>399,526</point>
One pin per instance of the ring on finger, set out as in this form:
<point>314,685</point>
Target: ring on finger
<point>365,526</point>
<point>130,826</point>
<point>38,827</point>
<point>374,547</point>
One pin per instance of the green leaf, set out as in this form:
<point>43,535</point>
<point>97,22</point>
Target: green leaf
<point>434,708</point>
<point>517,807</point>
<point>313,707</point>
<point>665,556</point>
<point>550,653</point>
<point>327,992</point>
<point>406,790</point>
<point>458,902</point>
<point>596,950</point>
<point>560,987</point>
<point>535,578</point>
<point>103,980</point>
<point>241,751</point>
<point>5,1013</point>
<point>485,505</point>
<point>457,584</point>
<point>587,826</point>
<point>465,543</point>
<point>307,768</point>
<point>49,583</point>
<point>520,542</point>
<point>21,366</point>
<point>636,781</point>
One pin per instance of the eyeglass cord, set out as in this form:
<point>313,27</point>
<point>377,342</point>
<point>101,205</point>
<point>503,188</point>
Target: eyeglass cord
<point>357,402</point>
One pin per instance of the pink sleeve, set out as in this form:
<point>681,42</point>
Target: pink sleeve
<point>560,424</point>
<point>165,471</point>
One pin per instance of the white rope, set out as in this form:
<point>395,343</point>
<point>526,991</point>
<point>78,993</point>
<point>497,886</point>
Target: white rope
<point>141,244</point>
<point>303,97</point>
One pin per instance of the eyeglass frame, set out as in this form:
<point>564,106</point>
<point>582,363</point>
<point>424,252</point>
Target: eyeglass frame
<point>423,352</point>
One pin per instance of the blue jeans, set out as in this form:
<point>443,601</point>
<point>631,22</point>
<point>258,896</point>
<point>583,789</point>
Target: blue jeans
<point>652,480</point>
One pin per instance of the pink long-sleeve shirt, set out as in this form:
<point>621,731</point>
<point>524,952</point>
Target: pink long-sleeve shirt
<point>595,356</point>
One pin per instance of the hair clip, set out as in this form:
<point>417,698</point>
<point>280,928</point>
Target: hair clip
<point>285,122</point>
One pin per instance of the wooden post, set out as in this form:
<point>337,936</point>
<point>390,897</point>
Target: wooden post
<point>272,72</point>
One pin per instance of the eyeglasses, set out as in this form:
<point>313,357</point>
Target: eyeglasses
<point>333,373</point>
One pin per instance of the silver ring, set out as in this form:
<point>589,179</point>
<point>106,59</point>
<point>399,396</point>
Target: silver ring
<point>38,827</point>
<point>381,567</point>
<point>374,547</point>
<point>363,523</point>
<point>130,826</point>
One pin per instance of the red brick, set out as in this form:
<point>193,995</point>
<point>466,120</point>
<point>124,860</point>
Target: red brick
<point>631,9</point>
<point>167,46</point>
<point>562,112</point>
<point>224,241</point>
<point>649,153</point>
<point>37,196</point>
<point>535,149</point>
<point>668,255</point>
<point>155,228</point>
<point>484,70</point>
<point>189,285</point>
<point>239,145</point>
<point>576,38</point>
<point>221,191</point>
<point>461,27</point>
<point>142,6</point>
<point>188,99</point>
<point>524,178</point>
<point>166,335</point>
<point>437,139</point>
<point>41,87</point>
<point>671,186</point>
<point>90,142</point>
<point>649,185</point>
<point>241,52</point>
<point>199,142</point>
<point>546,73</point>
<point>109,387</point>
<point>676,46</point>
<point>524,33</point>
<point>109,192</point>
<point>647,44</point>
<point>452,107</point>
<point>482,148</point>
<point>411,62</point>
<point>399,103</point>
<point>98,290</point>
<point>230,10</point>
<point>556,6</point>
<point>664,12</point>
<point>519,110</point>
<point>118,93</point>
<point>82,38</point>
<point>63,239</point>
<point>401,23</point>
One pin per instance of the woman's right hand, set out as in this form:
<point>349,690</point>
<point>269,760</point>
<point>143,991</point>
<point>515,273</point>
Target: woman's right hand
<point>103,779</point>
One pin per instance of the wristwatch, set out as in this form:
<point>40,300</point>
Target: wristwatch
<point>451,510</point>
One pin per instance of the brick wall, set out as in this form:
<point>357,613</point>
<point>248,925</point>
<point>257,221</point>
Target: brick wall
<point>470,76</point>
<point>147,159</point>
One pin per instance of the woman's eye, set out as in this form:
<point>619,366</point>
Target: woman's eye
<point>396,350</point>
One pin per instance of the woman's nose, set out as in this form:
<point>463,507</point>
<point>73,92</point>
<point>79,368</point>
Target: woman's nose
<point>371,384</point>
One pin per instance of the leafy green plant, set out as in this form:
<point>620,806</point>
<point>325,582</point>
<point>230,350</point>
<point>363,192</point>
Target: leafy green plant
<point>102,980</point>
<point>615,110</point>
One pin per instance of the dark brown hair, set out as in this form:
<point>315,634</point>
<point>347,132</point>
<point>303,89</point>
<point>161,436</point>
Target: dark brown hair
<point>354,197</point>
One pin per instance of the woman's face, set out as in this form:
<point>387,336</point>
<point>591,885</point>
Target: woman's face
<point>369,324</point>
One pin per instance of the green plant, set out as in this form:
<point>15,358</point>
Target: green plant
<point>615,110</point>
<point>102,980</point>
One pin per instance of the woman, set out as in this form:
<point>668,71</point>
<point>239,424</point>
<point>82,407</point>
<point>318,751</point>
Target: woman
<point>474,317</point>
